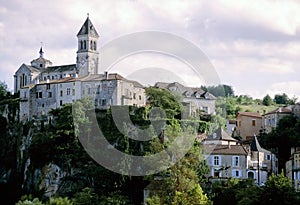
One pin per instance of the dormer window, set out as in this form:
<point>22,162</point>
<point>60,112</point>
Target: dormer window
<point>41,65</point>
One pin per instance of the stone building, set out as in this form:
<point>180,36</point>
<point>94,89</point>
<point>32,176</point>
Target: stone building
<point>195,100</point>
<point>293,167</point>
<point>43,87</point>
<point>271,119</point>
<point>248,125</point>
<point>227,158</point>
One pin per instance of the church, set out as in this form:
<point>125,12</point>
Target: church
<point>43,87</point>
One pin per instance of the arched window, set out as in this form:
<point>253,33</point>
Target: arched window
<point>91,46</point>
<point>84,44</point>
<point>95,45</point>
<point>81,45</point>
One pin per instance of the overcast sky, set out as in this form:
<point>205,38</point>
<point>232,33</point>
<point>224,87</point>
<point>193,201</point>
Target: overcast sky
<point>253,45</point>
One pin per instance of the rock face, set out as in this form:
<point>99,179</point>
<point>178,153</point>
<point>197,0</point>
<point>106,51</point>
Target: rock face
<point>51,178</point>
<point>20,173</point>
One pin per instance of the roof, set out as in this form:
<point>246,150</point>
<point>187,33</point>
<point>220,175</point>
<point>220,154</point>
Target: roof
<point>88,28</point>
<point>281,110</point>
<point>249,114</point>
<point>60,68</point>
<point>225,149</point>
<point>220,134</point>
<point>184,90</point>
<point>32,69</point>
<point>255,146</point>
<point>232,122</point>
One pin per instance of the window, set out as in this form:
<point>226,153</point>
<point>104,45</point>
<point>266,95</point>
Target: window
<point>91,46</point>
<point>253,122</point>
<point>84,44</point>
<point>41,65</point>
<point>235,161</point>
<point>89,90</point>
<point>48,86</point>
<point>49,94</point>
<point>268,157</point>
<point>45,78</point>
<point>68,91</point>
<point>103,102</point>
<point>216,160</point>
<point>73,91</point>
<point>140,97</point>
<point>236,173</point>
<point>61,103</point>
<point>61,93</point>
<point>39,94</point>
<point>95,45</point>
<point>216,173</point>
<point>134,95</point>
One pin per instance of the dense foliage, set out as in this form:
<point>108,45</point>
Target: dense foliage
<point>281,139</point>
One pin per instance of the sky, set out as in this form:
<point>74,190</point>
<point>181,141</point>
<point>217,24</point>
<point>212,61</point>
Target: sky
<point>254,46</point>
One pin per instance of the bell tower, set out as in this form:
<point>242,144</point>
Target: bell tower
<point>87,54</point>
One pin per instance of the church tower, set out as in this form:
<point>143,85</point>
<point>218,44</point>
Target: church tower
<point>87,53</point>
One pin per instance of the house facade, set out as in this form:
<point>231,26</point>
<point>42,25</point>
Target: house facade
<point>248,124</point>
<point>227,158</point>
<point>262,162</point>
<point>271,119</point>
<point>43,87</point>
<point>195,100</point>
<point>293,167</point>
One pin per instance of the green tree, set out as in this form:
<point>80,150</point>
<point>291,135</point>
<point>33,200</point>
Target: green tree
<point>165,100</point>
<point>59,201</point>
<point>267,100</point>
<point>281,98</point>
<point>34,201</point>
<point>278,190</point>
<point>3,90</point>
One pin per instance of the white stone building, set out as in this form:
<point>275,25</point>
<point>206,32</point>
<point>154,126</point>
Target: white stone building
<point>43,87</point>
<point>227,158</point>
<point>195,100</point>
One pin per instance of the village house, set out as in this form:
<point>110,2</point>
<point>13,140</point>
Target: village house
<point>227,158</point>
<point>248,124</point>
<point>293,167</point>
<point>43,87</point>
<point>195,100</point>
<point>271,119</point>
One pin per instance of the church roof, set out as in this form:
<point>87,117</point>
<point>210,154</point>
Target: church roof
<point>32,69</point>
<point>60,68</point>
<point>88,28</point>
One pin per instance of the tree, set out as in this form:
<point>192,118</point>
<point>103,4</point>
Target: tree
<point>3,90</point>
<point>281,98</point>
<point>165,100</point>
<point>219,90</point>
<point>267,100</point>
<point>278,190</point>
<point>181,181</point>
